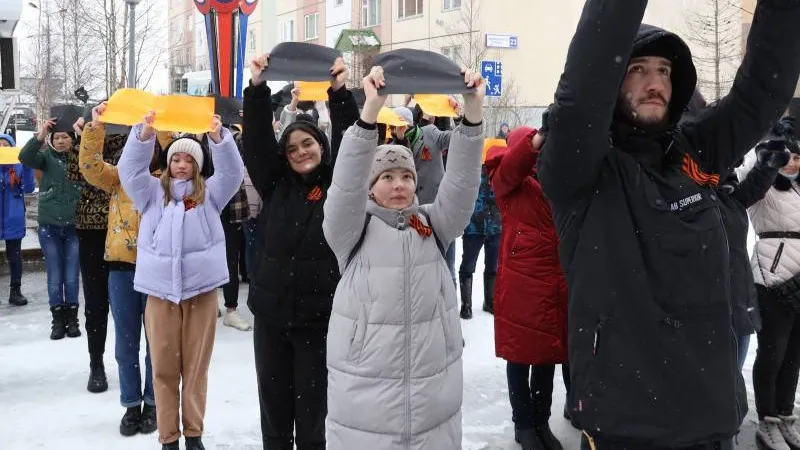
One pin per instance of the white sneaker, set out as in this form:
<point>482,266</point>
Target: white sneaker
<point>233,319</point>
<point>789,431</point>
<point>769,435</point>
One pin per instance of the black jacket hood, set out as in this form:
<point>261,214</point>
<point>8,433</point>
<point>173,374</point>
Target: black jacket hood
<point>654,41</point>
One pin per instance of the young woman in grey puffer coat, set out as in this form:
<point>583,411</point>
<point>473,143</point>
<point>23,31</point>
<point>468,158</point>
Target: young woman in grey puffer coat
<point>395,376</point>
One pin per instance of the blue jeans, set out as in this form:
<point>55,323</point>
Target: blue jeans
<point>60,248</point>
<point>744,346</point>
<point>472,248</point>
<point>127,307</point>
<point>249,229</point>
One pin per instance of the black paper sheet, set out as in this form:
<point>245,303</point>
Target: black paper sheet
<point>290,61</point>
<point>409,71</point>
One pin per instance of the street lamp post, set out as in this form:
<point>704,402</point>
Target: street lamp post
<point>132,43</point>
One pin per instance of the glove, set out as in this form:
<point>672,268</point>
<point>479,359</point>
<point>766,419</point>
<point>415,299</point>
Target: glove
<point>773,154</point>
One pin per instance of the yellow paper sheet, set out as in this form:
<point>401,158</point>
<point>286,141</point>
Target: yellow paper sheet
<point>312,91</point>
<point>173,112</point>
<point>436,105</point>
<point>492,142</point>
<point>388,117</point>
<point>9,155</point>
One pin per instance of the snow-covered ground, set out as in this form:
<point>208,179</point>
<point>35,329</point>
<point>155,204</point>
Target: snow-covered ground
<point>44,403</point>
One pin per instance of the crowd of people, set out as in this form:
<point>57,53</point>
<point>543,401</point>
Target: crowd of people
<point>614,238</point>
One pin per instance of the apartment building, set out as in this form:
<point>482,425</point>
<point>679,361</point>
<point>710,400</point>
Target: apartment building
<point>301,21</point>
<point>181,39</point>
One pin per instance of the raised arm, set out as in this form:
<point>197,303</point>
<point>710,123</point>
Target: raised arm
<point>346,204</point>
<point>97,172</point>
<point>763,86</point>
<point>759,179</point>
<point>455,201</point>
<point>517,164</point>
<point>31,155</point>
<point>343,106</point>
<point>261,152</point>
<point>439,137</point>
<point>134,165</point>
<point>228,166</point>
<point>586,97</point>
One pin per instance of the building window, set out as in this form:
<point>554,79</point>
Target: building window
<point>311,26</point>
<point>370,13</point>
<point>251,36</point>
<point>451,4</point>
<point>287,31</point>
<point>454,53</point>
<point>338,3</point>
<point>408,8</point>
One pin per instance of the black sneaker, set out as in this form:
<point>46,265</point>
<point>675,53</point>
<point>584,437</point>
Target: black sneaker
<point>129,425</point>
<point>97,378</point>
<point>171,446</point>
<point>148,424</point>
<point>194,443</point>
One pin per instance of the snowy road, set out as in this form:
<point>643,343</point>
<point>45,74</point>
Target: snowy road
<point>45,404</point>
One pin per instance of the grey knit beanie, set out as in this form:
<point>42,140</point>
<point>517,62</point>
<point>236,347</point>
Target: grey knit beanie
<point>388,157</point>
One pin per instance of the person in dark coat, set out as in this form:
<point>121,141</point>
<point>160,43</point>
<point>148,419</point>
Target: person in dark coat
<point>651,349</point>
<point>530,318</point>
<point>483,231</point>
<point>294,272</point>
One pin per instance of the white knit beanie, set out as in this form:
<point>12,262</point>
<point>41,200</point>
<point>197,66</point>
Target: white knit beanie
<point>189,146</point>
<point>405,114</point>
<point>388,157</point>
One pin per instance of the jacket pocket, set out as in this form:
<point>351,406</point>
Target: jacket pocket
<point>359,334</point>
<point>777,259</point>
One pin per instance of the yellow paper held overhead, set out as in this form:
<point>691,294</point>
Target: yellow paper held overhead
<point>312,91</point>
<point>492,142</point>
<point>388,117</point>
<point>173,112</point>
<point>436,105</point>
<point>9,155</point>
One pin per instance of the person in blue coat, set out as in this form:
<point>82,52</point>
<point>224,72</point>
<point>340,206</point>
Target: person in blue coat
<point>15,181</point>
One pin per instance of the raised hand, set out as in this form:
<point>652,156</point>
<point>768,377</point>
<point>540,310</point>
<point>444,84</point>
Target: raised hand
<point>473,101</point>
<point>339,73</point>
<point>258,65</point>
<point>374,101</point>
<point>216,129</point>
<point>147,131</point>
<point>44,128</point>
<point>98,111</point>
<point>78,126</point>
<point>295,99</point>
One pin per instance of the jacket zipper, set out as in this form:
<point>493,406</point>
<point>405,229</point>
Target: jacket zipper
<point>596,345</point>
<point>776,260</point>
<point>407,339</point>
<point>734,366</point>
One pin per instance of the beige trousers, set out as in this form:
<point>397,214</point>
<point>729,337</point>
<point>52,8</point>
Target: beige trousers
<point>181,340</point>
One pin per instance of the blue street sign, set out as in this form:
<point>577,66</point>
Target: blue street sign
<point>492,72</point>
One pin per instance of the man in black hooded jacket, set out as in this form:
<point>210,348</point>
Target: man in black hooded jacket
<point>652,351</point>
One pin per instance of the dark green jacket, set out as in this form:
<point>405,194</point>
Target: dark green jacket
<point>57,194</point>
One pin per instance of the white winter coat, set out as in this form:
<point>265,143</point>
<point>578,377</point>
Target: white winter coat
<point>395,377</point>
<point>774,260</point>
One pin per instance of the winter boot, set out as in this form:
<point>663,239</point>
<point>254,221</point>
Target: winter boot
<point>466,297</point>
<point>488,292</point>
<point>16,298</point>
<point>545,435</point>
<point>97,378</point>
<point>194,443</point>
<point>59,328</point>
<point>789,431</point>
<point>73,327</point>
<point>171,446</point>
<point>568,416</point>
<point>769,436</point>
<point>129,425</point>
<point>234,320</point>
<point>148,422</point>
<point>528,439</point>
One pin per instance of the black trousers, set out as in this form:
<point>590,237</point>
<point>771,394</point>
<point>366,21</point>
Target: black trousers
<point>292,385</point>
<point>234,238</point>
<point>94,273</point>
<point>597,443</point>
<point>777,363</point>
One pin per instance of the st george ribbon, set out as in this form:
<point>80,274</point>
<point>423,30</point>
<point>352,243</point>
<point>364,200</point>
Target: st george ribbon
<point>226,41</point>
